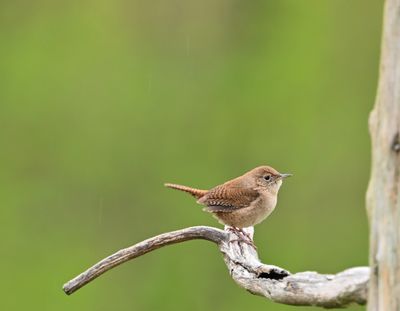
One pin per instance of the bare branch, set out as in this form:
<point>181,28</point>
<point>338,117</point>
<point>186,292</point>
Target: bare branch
<point>139,249</point>
<point>303,289</point>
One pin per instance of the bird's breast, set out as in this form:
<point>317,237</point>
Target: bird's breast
<point>262,208</point>
<point>251,215</point>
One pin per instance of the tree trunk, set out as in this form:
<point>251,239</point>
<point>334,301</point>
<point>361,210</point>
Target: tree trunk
<point>383,196</point>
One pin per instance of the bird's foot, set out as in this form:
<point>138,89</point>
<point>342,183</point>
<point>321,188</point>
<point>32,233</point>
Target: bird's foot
<point>243,237</point>
<point>246,241</point>
<point>247,235</point>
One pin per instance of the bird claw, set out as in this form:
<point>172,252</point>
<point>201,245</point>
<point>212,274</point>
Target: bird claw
<point>243,237</point>
<point>251,243</point>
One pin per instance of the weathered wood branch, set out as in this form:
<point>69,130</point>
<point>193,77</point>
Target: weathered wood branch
<point>139,249</point>
<point>274,283</point>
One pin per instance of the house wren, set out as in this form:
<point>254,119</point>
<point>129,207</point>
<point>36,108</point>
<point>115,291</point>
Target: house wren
<point>241,202</point>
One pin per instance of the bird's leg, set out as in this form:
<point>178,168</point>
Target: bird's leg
<point>242,236</point>
<point>248,239</point>
<point>233,230</point>
<point>247,235</point>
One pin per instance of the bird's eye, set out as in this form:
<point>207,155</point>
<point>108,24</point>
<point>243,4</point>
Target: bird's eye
<point>267,177</point>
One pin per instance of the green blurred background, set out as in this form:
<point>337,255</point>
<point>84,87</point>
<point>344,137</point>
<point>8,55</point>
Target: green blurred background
<point>101,102</point>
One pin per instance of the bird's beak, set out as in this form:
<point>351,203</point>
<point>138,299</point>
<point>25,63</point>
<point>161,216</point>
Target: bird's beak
<point>281,176</point>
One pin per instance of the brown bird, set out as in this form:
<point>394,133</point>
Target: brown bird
<point>241,202</point>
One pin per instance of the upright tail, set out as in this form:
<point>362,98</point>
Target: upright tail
<point>197,193</point>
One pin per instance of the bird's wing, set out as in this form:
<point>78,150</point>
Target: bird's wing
<point>228,199</point>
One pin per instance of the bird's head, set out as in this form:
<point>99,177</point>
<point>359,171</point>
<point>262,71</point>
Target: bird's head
<point>268,178</point>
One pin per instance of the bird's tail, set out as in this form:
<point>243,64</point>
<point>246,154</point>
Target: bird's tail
<point>197,193</point>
